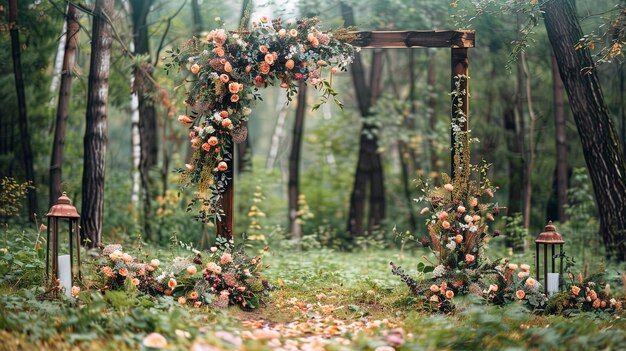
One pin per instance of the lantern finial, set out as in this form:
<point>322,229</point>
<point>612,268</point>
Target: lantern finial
<point>550,235</point>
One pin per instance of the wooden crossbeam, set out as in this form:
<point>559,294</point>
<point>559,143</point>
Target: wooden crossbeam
<point>415,39</point>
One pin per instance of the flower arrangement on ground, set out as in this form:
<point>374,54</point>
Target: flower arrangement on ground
<point>228,69</point>
<point>224,275</point>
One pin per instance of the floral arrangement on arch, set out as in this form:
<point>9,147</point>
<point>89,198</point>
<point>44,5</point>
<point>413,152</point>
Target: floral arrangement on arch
<point>222,276</point>
<point>229,68</point>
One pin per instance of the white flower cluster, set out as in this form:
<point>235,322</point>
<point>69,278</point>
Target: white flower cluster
<point>439,271</point>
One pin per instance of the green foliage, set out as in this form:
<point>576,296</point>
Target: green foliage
<point>11,195</point>
<point>516,235</point>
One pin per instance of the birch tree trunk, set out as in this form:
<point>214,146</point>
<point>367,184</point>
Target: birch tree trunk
<point>95,140</point>
<point>600,143</point>
<point>294,163</point>
<point>59,58</point>
<point>27,152</point>
<point>63,104</point>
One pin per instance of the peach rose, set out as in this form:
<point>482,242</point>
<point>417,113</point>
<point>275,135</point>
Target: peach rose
<point>75,290</point>
<point>434,298</point>
<point>206,147</point>
<point>263,49</point>
<point>445,225</point>
<point>219,51</point>
<point>290,64</point>
<point>530,282</point>
<point>460,209</point>
<point>449,187</point>
<point>282,33</point>
<point>269,59</point>
<point>182,300</point>
<point>172,283</point>
<point>264,67</point>
<point>434,288</point>
<point>449,294</point>
<point>575,290</point>
<point>195,68</point>
<point>234,98</point>
<point>473,202</point>
<point>135,281</point>
<point>233,87</point>
<point>520,294</point>
<point>228,67</point>
<point>222,166</point>
<point>224,78</point>
<point>226,122</point>
<point>123,272</point>
<point>293,33</point>
<point>184,119</point>
<point>469,258</point>
<point>442,215</point>
<point>513,266</point>
<point>525,267</point>
<point>192,270</point>
<point>458,238</point>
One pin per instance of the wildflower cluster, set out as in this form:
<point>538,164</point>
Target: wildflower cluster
<point>229,69</point>
<point>221,277</point>
<point>118,268</point>
<point>510,282</point>
<point>225,277</point>
<point>588,295</point>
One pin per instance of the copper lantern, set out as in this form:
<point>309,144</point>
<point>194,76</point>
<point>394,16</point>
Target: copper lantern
<point>58,213</point>
<point>547,241</point>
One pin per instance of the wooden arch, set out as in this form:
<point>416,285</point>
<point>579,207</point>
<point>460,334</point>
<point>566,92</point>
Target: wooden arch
<point>459,41</point>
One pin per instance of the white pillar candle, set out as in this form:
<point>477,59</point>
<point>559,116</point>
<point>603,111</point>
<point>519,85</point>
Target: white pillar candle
<point>65,274</point>
<point>553,283</point>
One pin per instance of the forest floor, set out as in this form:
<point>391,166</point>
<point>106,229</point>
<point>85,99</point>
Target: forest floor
<point>324,300</point>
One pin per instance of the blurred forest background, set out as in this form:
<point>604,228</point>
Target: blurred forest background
<point>518,110</point>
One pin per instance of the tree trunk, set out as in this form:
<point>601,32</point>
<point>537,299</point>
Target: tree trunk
<point>147,112</point>
<point>58,60</point>
<point>561,141</point>
<point>432,115</point>
<point>196,15</point>
<point>514,160</point>
<point>294,164</point>
<point>63,105</point>
<point>279,131</point>
<point>600,143</point>
<point>27,152</point>
<point>369,165</point>
<point>528,188</point>
<point>244,149</point>
<point>95,140</point>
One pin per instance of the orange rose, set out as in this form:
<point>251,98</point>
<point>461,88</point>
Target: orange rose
<point>233,87</point>
<point>212,141</point>
<point>172,283</point>
<point>290,64</point>
<point>135,281</point>
<point>458,238</point>
<point>575,290</point>
<point>293,33</point>
<point>193,295</point>
<point>226,122</point>
<point>264,67</point>
<point>206,147</point>
<point>234,98</point>
<point>186,120</point>
<point>449,294</point>
<point>520,294</point>
<point>445,224</point>
<point>222,166</point>
<point>195,68</point>
<point>223,114</point>
<point>123,272</point>
<point>434,288</point>
<point>219,51</point>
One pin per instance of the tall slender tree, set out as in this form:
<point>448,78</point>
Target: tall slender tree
<point>600,143</point>
<point>143,87</point>
<point>294,163</point>
<point>369,172</point>
<point>561,140</point>
<point>95,141</point>
<point>63,105</point>
<point>27,152</point>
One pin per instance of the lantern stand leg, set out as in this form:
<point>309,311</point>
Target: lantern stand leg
<point>71,254</point>
<point>553,259</point>
<point>48,252</point>
<point>537,259</point>
<point>76,231</point>
<point>55,250</point>
<point>545,268</point>
<point>561,266</point>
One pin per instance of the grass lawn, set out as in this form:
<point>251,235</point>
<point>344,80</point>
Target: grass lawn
<point>323,300</point>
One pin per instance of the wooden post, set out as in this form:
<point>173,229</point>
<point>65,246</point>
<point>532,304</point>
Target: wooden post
<point>459,66</point>
<point>226,226</point>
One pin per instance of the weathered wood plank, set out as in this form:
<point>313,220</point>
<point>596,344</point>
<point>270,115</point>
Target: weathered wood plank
<point>415,39</point>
